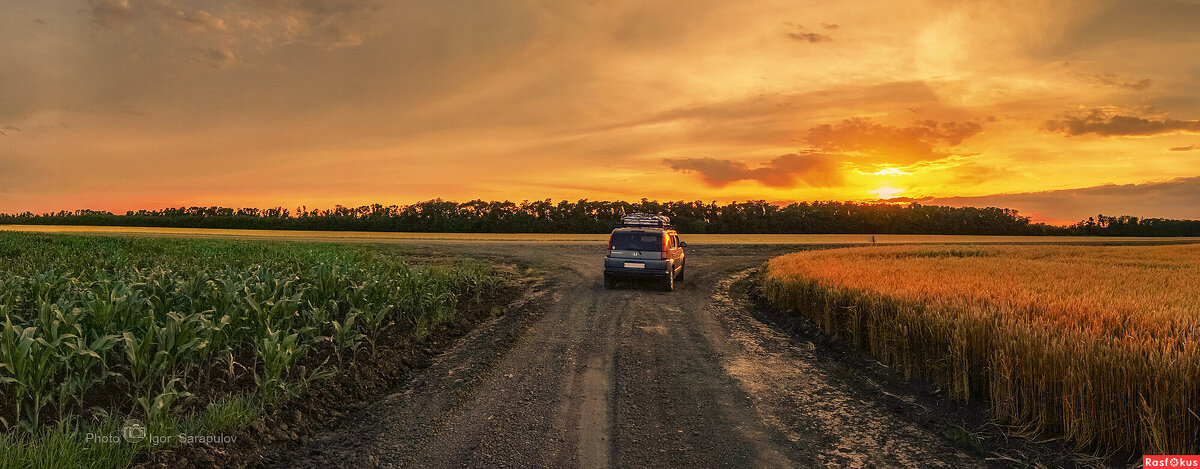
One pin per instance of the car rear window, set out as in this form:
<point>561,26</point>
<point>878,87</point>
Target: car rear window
<point>636,241</point>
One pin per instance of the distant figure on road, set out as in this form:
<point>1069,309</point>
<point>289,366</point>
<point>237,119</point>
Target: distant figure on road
<point>872,239</point>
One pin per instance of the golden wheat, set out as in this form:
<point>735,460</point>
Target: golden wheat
<point>1098,344</point>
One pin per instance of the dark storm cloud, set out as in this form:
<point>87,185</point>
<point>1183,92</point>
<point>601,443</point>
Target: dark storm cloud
<point>903,145</point>
<point>784,171</point>
<point>1176,198</point>
<point>1106,123</point>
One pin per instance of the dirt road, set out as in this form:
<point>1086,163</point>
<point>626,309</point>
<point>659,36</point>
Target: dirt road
<point>631,377</point>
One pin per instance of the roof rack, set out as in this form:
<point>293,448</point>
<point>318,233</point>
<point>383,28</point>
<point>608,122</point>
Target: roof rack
<point>646,219</point>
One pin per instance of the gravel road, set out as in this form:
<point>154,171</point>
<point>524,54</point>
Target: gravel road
<point>630,377</point>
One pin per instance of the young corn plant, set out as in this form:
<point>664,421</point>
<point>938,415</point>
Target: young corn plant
<point>112,305</point>
<point>85,368</point>
<point>273,302</point>
<point>278,352</point>
<point>158,407</point>
<point>344,337</point>
<point>31,358</point>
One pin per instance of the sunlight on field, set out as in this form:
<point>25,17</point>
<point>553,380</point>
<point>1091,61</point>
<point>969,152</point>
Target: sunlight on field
<point>567,238</point>
<point>1100,344</point>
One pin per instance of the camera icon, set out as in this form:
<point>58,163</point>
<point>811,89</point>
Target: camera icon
<point>133,431</point>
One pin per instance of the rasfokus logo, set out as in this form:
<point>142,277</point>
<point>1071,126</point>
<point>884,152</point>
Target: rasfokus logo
<point>1170,461</point>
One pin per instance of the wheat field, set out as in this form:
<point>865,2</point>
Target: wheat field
<point>1099,345</point>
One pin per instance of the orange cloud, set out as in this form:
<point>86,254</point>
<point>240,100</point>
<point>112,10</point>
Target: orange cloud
<point>784,171</point>
<point>1105,123</point>
<point>889,144</point>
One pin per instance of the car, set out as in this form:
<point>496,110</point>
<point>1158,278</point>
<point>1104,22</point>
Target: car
<point>644,247</point>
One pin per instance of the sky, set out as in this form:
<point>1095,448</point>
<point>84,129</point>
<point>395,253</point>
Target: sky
<point>1059,109</point>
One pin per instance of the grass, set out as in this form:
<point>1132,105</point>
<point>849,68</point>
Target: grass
<point>1099,345</point>
<point>191,337</point>
<point>71,443</point>
<point>965,440</point>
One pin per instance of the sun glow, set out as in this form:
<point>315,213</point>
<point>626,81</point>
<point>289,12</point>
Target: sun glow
<point>886,192</point>
<point>890,172</point>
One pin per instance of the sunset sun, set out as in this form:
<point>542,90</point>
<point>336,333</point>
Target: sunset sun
<point>885,193</point>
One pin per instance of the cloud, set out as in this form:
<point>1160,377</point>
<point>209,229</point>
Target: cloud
<point>1187,148</point>
<point>778,106</point>
<point>900,145</point>
<point>973,173</point>
<point>112,14</point>
<point>812,38</point>
<point>1112,80</point>
<point>199,21</point>
<point>323,24</point>
<point>779,119</point>
<point>853,141</point>
<point>830,25</point>
<point>262,24</point>
<point>1106,122</point>
<point>9,128</point>
<point>1162,22</point>
<point>220,58</point>
<point>1175,198</point>
<point>784,171</point>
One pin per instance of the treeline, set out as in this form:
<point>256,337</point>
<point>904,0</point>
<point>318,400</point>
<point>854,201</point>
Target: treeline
<point>1132,226</point>
<point>587,216</point>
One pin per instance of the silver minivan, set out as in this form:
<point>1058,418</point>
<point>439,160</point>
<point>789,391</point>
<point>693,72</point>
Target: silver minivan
<point>640,250</point>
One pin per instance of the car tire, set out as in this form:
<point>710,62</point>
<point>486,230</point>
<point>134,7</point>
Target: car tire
<point>679,278</point>
<point>669,284</point>
<point>609,282</point>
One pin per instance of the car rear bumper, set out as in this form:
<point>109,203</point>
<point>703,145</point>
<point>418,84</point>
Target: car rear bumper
<point>653,267</point>
<point>630,273</point>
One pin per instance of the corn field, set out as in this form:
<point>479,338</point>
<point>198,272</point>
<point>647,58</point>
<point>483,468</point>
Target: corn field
<point>94,327</point>
<point>1099,345</point>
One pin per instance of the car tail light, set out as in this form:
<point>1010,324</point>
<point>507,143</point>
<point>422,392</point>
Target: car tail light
<point>610,246</point>
<point>666,243</point>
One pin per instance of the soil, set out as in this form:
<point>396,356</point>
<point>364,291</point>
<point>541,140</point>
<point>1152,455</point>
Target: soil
<point>569,374</point>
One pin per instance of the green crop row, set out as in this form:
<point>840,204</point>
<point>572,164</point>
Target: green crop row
<point>99,328</point>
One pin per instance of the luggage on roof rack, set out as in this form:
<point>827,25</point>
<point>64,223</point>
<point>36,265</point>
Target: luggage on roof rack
<point>646,219</point>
